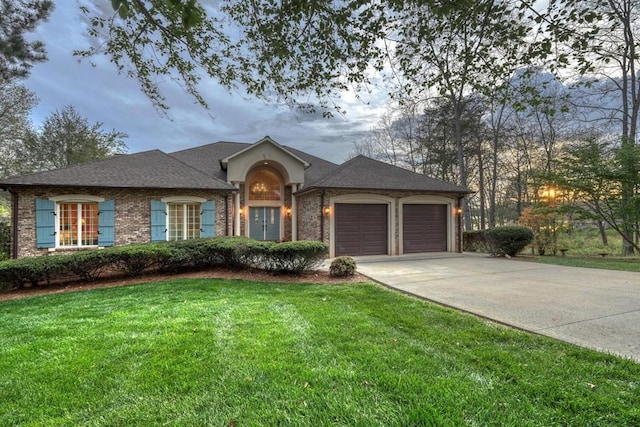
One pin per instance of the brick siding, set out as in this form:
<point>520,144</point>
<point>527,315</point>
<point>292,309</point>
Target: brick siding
<point>132,213</point>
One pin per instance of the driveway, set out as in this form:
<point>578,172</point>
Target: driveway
<point>593,308</point>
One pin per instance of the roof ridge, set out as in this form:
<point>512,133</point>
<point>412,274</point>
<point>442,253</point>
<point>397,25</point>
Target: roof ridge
<point>334,172</point>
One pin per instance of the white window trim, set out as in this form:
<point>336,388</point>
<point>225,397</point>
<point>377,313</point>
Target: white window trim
<point>76,198</point>
<point>72,198</point>
<point>184,200</point>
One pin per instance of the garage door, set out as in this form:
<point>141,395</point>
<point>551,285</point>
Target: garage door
<point>361,229</point>
<point>424,228</point>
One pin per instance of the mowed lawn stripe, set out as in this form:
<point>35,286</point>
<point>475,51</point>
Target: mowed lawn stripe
<point>219,352</point>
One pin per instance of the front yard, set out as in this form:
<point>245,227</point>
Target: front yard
<point>235,353</point>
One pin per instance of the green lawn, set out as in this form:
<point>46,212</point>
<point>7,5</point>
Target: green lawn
<point>608,263</point>
<point>233,353</point>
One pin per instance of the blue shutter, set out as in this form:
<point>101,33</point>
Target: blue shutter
<point>208,220</point>
<point>158,221</point>
<point>106,223</point>
<point>45,223</point>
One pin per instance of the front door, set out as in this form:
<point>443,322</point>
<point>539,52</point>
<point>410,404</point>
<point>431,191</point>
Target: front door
<point>264,223</point>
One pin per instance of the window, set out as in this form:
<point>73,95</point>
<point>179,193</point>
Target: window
<point>184,221</point>
<point>78,224</point>
<point>264,185</point>
<point>182,218</point>
<point>74,220</point>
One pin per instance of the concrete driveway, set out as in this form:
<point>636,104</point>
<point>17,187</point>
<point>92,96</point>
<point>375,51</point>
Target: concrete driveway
<point>593,308</point>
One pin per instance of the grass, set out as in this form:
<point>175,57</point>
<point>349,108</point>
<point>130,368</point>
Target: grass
<point>235,353</point>
<point>624,264</point>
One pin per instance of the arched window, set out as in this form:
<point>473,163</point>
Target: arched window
<point>264,185</point>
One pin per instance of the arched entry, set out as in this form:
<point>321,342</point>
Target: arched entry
<point>264,196</point>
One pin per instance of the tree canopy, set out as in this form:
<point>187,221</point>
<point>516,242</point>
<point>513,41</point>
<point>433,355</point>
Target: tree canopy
<point>301,52</point>
<point>17,54</point>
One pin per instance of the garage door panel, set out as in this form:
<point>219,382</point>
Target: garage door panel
<point>424,228</point>
<point>361,229</point>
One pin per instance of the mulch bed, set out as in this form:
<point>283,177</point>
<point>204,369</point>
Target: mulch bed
<point>215,273</point>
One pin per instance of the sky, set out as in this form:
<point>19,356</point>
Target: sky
<point>101,95</point>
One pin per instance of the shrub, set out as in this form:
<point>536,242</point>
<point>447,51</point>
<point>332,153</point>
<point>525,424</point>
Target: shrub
<point>15,273</point>
<point>508,240</point>
<point>294,257</point>
<point>133,260</point>
<point>473,240</point>
<point>342,266</point>
<point>89,265</point>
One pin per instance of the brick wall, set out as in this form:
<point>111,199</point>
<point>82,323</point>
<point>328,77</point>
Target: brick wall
<point>132,213</point>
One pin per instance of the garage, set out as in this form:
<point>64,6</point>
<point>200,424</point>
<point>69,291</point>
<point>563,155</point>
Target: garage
<point>424,228</point>
<point>361,229</point>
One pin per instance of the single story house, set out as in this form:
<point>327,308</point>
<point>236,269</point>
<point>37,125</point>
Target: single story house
<point>263,190</point>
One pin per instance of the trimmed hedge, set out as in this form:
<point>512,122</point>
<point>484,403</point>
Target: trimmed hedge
<point>509,240</point>
<point>134,260</point>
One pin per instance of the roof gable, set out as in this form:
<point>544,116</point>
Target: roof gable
<point>257,145</point>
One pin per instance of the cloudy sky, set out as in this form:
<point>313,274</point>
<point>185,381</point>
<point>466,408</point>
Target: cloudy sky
<point>101,95</point>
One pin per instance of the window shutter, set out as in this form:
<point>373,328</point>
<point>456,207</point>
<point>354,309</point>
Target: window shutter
<point>208,219</point>
<point>45,223</point>
<point>106,223</point>
<point>158,221</point>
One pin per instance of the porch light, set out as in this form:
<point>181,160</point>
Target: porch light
<point>288,212</point>
<point>457,211</point>
<point>327,210</point>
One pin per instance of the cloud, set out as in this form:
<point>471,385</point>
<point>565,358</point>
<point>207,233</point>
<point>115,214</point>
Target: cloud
<point>101,95</point>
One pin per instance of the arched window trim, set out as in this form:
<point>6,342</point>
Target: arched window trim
<point>250,183</point>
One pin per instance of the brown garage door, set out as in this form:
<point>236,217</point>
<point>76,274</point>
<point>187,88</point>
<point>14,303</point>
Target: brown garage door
<point>361,229</point>
<point>424,228</point>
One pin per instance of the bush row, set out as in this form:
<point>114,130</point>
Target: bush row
<point>133,260</point>
<point>499,241</point>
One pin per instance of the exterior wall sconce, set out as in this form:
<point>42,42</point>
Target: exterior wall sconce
<point>288,211</point>
<point>327,210</point>
<point>457,211</point>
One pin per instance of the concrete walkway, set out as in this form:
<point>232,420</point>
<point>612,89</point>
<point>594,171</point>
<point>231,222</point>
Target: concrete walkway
<point>593,308</point>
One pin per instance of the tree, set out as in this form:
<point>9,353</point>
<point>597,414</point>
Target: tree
<point>599,39</point>
<point>16,103</point>
<point>17,54</point>
<point>67,139</point>
<point>292,51</point>
<point>597,173</point>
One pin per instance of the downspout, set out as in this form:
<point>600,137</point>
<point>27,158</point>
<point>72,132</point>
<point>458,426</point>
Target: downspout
<point>322,216</point>
<point>226,214</point>
<point>14,224</point>
<point>294,213</point>
<point>459,216</point>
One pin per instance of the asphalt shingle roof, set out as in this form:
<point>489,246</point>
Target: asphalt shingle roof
<point>206,159</point>
<point>200,168</point>
<point>149,169</point>
<point>364,173</point>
